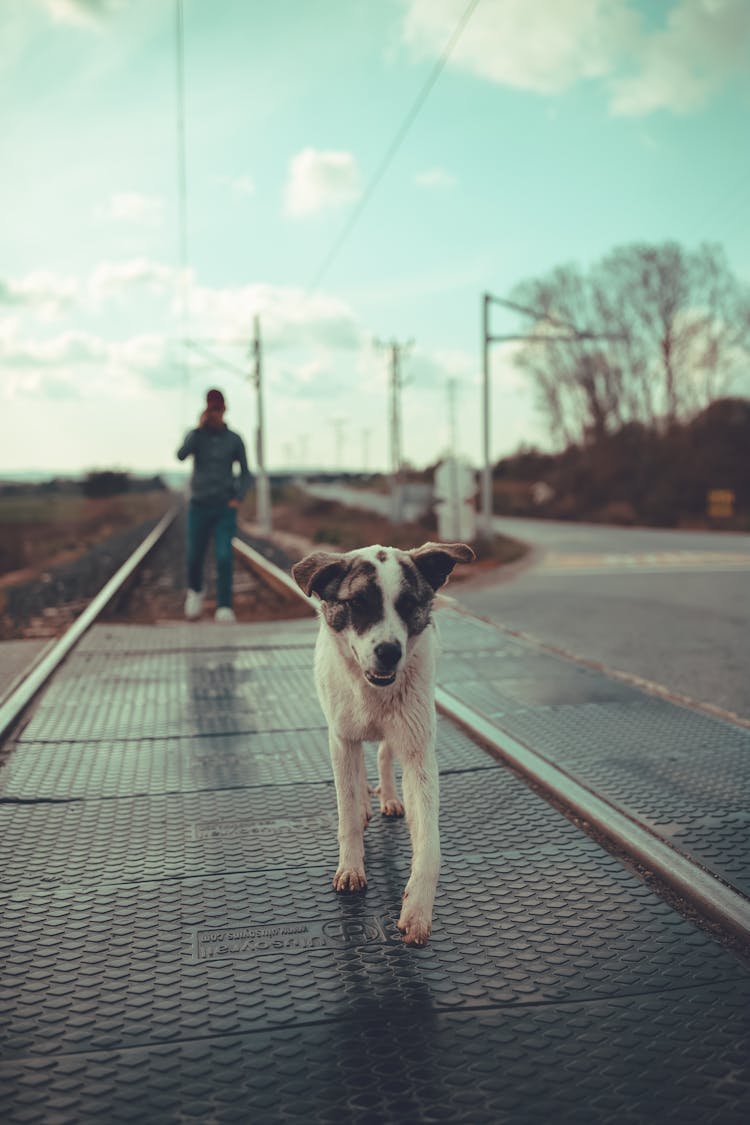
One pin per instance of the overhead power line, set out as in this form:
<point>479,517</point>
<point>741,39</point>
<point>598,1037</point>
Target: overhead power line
<point>394,146</point>
<point>182,252</point>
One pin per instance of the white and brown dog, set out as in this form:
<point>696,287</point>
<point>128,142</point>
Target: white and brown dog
<point>375,667</point>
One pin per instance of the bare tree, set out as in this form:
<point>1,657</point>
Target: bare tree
<point>679,324</point>
<point>578,385</point>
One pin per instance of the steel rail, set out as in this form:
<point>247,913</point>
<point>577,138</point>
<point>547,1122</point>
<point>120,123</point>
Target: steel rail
<point>13,706</point>
<point>696,886</point>
<point>268,572</point>
<point>699,887</point>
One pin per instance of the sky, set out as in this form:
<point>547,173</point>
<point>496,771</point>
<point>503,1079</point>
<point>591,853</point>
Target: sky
<point>338,194</point>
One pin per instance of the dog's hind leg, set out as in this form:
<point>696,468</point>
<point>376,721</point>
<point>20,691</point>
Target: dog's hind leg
<point>366,802</point>
<point>350,777</point>
<point>422,796</point>
<point>390,805</point>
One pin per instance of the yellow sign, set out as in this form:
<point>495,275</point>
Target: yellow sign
<point>721,503</point>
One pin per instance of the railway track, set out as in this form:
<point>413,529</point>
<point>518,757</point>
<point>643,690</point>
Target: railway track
<point>697,890</point>
<point>25,688</point>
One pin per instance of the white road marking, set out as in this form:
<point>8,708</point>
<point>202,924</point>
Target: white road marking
<point>643,562</point>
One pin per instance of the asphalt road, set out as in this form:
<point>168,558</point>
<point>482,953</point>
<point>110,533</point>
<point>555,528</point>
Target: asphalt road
<point>671,607</point>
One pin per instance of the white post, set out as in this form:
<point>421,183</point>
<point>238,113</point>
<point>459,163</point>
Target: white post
<point>487,467</point>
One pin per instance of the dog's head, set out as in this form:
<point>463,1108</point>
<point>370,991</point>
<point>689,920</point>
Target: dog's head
<point>379,599</point>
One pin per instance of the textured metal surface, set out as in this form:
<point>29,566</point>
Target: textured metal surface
<point>460,633</point>
<point>199,636</point>
<point>172,949</point>
<point>172,664</point>
<point>130,964</point>
<point>393,1059</point>
<point>206,833</point>
<point>683,774</point>
<point>58,771</point>
<point>219,698</point>
<point>518,689</point>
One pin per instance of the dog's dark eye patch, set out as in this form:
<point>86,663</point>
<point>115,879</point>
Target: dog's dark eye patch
<point>358,600</point>
<point>336,615</point>
<point>365,607</point>
<point>414,603</point>
<point>406,604</point>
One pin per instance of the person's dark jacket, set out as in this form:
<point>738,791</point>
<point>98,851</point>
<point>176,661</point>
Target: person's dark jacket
<point>214,453</point>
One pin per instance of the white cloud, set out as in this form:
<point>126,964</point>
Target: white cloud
<point>238,185</point>
<point>41,292</point>
<point>702,44</point>
<point>74,364</point>
<point>132,207</point>
<point>550,45</point>
<point>544,46</point>
<point>80,13</point>
<point>117,279</point>
<point>321,180</point>
<point>289,317</point>
<point>435,178</point>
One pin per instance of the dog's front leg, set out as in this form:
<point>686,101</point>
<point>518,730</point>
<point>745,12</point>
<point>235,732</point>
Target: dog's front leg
<point>422,796</point>
<point>350,777</point>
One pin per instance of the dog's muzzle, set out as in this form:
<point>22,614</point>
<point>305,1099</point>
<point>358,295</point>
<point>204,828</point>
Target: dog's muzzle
<point>387,654</point>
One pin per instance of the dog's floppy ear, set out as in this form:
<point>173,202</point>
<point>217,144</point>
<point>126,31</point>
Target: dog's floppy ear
<point>316,573</point>
<point>435,561</point>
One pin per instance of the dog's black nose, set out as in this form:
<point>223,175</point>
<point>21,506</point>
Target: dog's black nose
<point>388,653</point>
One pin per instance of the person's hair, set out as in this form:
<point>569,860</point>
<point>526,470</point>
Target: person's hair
<point>215,400</point>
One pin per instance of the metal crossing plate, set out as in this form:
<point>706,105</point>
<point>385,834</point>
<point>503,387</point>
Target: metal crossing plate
<point>131,964</point>
<point>684,774</point>
<point>390,1058</point>
<point>208,833</point>
<point>199,636</point>
<point>63,770</point>
<point>173,951</point>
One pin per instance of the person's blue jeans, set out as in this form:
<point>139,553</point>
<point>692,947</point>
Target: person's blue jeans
<point>205,521</point>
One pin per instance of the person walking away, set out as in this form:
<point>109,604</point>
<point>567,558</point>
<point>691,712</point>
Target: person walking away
<point>215,495</point>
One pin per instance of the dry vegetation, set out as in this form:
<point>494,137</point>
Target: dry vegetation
<point>59,548</point>
<point>40,530</point>
<point>327,524</point>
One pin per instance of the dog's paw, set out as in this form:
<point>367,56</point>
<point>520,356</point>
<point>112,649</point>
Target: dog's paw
<point>415,924</point>
<point>349,879</point>
<point>390,806</point>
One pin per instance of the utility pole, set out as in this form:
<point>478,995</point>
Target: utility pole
<point>453,455</point>
<point>569,334</point>
<point>304,442</point>
<point>366,435</point>
<point>263,491</point>
<point>452,388</point>
<point>338,439</point>
<point>395,428</point>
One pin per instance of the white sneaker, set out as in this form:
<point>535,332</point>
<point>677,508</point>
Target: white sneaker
<point>225,614</point>
<point>193,604</point>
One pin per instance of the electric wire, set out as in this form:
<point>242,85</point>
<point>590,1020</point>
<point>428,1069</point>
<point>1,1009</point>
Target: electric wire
<point>394,146</point>
<point>182,193</point>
